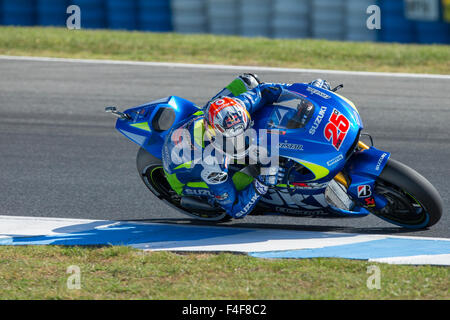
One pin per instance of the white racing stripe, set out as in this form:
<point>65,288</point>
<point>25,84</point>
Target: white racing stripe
<point>18,226</point>
<point>437,259</point>
<point>263,243</point>
<point>263,240</point>
<point>227,67</point>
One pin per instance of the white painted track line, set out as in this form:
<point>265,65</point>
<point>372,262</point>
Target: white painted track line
<point>227,67</point>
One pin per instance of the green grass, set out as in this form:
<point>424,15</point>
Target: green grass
<point>40,272</point>
<point>170,47</point>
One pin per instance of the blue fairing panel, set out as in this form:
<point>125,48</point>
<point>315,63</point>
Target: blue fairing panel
<point>363,169</point>
<point>140,129</point>
<point>369,163</point>
<point>302,126</point>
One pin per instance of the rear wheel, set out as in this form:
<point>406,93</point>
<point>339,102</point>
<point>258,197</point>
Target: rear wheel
<point>152,174</point>
<point>413,202</point>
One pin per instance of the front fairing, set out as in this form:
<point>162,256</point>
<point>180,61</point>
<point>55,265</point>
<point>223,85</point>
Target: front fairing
<point>313,145</point>
<point>363,169</point>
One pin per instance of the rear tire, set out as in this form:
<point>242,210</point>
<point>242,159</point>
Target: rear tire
<point>152,174</point>
<point>413,201</point>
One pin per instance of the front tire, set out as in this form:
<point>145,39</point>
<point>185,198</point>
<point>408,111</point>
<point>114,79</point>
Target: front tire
<point>152,174</point>
<point>413,202</point>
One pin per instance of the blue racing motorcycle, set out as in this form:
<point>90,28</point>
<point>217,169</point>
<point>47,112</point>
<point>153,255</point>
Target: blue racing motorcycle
<point>329,171</point>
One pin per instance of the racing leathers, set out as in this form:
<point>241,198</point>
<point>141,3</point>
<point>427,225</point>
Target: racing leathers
<point>191,174</point>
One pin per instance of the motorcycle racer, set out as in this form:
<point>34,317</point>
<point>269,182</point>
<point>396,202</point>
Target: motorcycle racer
<point>221,130</point>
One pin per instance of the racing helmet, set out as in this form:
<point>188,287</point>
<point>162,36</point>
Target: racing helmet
<point>226,120</point>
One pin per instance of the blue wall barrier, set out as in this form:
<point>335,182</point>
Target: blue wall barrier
<point>93,13</point>
<point>122,14</point>
<point>394,26</point>
<point>433,32</point>
<point>156,15</point>
<point>18,12</point>
<point>52,12</point>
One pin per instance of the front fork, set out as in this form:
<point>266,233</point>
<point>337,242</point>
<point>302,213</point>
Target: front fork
<point>361,172</point>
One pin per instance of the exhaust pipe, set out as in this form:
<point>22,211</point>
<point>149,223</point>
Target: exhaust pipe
<point>195,204</point>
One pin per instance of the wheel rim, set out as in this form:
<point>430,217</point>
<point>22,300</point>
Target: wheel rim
<point>157,179</point>
<point>402,209</point>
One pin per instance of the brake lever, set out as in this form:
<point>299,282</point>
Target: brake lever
<point>117,113</point>
<point>337,88</point>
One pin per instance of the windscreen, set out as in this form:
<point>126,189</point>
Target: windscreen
<point>294,112</point>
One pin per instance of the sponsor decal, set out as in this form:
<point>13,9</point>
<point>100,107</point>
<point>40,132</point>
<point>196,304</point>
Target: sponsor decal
<point>370,202</point>
<point>248,206</point>
<point>357,118</point>
<point>318,120</point>
<point>220,102</point>
<point>318,92</point>
<point>196,192</point>
<point>276,131</point>
<point>336,129</point>
<point>285,210</point>
<point>335,160</point>
<point>221,197</point>
<point>364,191</point>
<point>259,187</point>
<point>310,186</point>
<point>232,119</point>
<point>212,176</point>
<point>291,146</point>
<point>302,212</point>
<point>380,161</point>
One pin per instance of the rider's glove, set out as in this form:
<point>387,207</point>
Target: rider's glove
<point>251,80</point>
<point>270,175</point>
<point>321,84</point>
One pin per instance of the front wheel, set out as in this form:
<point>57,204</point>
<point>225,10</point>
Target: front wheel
<point>413,202</point>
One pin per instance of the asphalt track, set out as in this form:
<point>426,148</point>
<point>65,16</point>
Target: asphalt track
<point>60,155</point>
